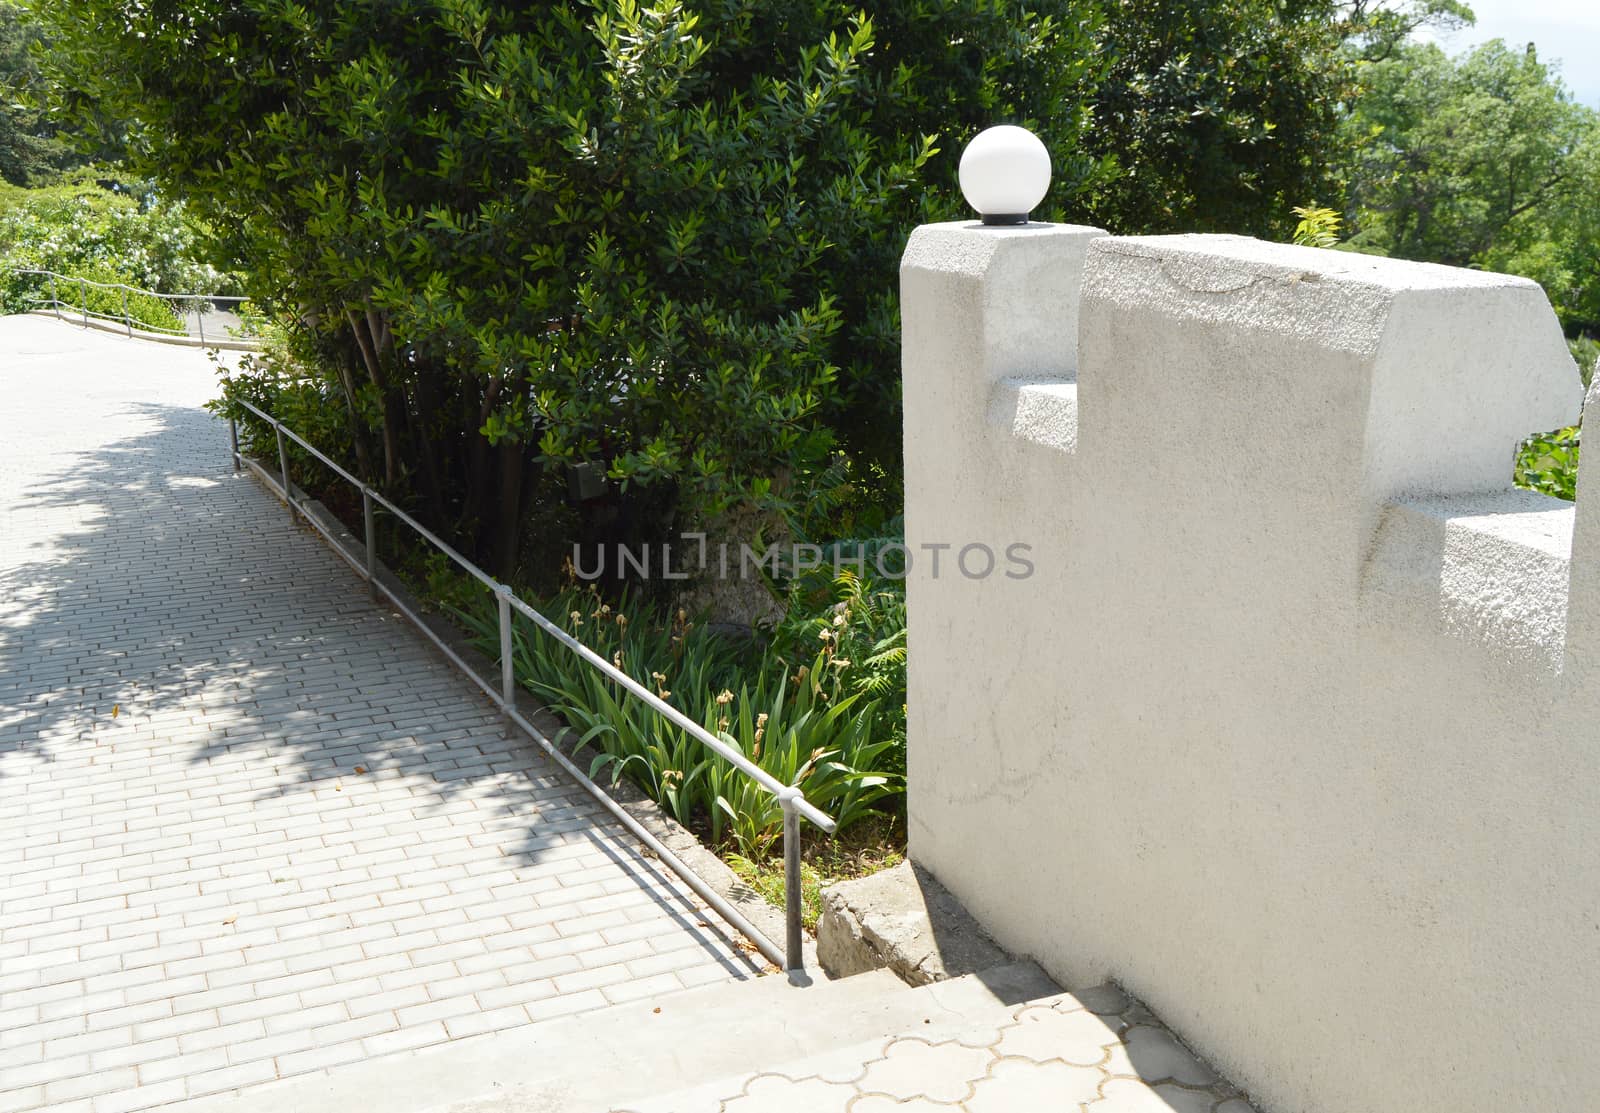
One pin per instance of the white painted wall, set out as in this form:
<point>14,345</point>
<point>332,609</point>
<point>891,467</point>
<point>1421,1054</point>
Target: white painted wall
<point>1293,731</point>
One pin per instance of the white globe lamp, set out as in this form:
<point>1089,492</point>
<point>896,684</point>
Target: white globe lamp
<point>1004,172</point>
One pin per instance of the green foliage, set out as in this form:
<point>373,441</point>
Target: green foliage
<point>1453,155</point>
<point>153,314</point>
<point>857,622</point>
<point>1548,463</point>
<point>766,878</point>
<point>274,381</point>
<point>1586,353</point>
<point>1318,226</point>
<point>1484,160</point>
<point>878,846</point>
<point>1375,29</point>
<point>84,231</point>
<point>79,225</point>
<point>1558,244</point>
<point>1219,115</point>
<point>29,150</point>
<point>800,723</point>
<point>657,237</point>
<point>1479,161</point>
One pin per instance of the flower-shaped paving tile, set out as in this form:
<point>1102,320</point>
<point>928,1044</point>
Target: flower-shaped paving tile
<point>1098,1051</point>
<point>913,1068</point>
<point>774,1093</point>
<point>878,1103</point>
<point>1043,1034</point>
<point>1017,1084</point>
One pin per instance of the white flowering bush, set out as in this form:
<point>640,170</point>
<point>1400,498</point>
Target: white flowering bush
<point>85,231</point>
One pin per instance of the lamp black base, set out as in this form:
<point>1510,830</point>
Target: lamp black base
<point>1005,218</point>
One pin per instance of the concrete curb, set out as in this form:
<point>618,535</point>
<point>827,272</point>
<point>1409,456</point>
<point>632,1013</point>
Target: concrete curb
<point>154,337</point>
<point>902,920</point>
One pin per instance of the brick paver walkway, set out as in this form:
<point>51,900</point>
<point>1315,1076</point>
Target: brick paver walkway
<point>250,825</point>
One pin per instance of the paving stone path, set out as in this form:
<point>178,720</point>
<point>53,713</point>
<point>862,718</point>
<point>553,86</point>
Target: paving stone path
<point>250,825</point>
<point>1098,1051</point>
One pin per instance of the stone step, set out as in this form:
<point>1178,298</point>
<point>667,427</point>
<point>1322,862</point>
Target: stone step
<point>607,1058</point>
<point>1097,1051</point>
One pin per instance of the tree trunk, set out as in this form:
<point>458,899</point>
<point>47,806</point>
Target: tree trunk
<point>358,434</point>
<point>508,519</point>
<point>371,356</point>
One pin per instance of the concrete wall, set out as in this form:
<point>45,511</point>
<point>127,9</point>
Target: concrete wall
<point>1294,730</point>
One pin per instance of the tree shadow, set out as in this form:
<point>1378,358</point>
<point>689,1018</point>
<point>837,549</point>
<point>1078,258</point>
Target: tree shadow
<point>170,638</point>
<point>93,609</point>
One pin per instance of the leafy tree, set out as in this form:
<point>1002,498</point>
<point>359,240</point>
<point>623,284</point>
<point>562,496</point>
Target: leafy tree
<point>1219,115</point>
<point>1458,160</point>
<point>656,239</point>
<point>1375,29</point>
<point>1484,160</point>
<point>28,151</point>
<point>522,237</point>
<point>1559,243</point>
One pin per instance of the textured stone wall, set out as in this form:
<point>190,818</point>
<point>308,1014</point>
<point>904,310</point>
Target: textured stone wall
<point>1293,730</point>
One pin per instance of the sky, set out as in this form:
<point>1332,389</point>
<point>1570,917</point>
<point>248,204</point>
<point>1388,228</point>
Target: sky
<point>1568,30</point>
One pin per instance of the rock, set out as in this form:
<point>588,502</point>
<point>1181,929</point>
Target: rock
<point>904,920</point>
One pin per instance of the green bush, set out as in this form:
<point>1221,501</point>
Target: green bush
<point>1220,114</point>
<point>801,724</point>
<point>302,401</point>
<point>79,227</point>
<point>19,291</point>
<point>1586,353</point>
<point>81,230</point>
<point>1548,463</point>
<point>662,238</point>
<point>857,623</point>
<point>656,237</point>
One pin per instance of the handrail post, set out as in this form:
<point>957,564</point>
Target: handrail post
<point>369,520</point>
<point>790,798</point>
<point>200,319</point>
<point>233,437</point>
<point>126,319</point>
<point>55,302</point>
<point>283,469</point>
<point>794,961</point>
<point>508,672</point>
<point>83,288</point>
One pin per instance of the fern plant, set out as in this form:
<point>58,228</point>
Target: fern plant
<point>856,623</point>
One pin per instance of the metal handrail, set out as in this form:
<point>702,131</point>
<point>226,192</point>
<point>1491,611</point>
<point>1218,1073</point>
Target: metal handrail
<point>82,309</point>
<point>789,797</point>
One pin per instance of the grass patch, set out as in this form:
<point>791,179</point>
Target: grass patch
<point>869,846</point>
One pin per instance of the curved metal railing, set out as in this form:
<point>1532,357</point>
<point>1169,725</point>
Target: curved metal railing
<point>790,799</point>
<point>195,304</point>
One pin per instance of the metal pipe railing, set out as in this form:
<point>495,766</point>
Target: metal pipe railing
<point>125,319</point>
<point>790,798</point>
